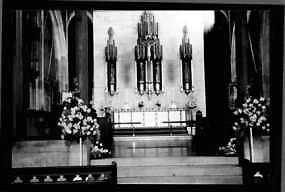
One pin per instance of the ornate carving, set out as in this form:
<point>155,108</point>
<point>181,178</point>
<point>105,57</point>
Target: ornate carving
<point>148,55</point>
<point>186,57</point>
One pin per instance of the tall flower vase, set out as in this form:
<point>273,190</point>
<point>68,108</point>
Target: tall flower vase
<point>251,149</point>
<point>257,148</point>
<point>84,151</point>
<point>81,151</point>
<point>77,153</point>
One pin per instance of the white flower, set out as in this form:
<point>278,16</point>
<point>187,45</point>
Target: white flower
<point>77,126</point>
<point>84,108</point>
<point>73,110</point>
<point>68,131</point>
<point>75,131</point>
<point>253,118</point>
<point>262,118</point>
<point>89,118</point>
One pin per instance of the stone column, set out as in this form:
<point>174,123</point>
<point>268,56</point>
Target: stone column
<point>81,51</point>
<point>18,84</point>
<point>242,48</point>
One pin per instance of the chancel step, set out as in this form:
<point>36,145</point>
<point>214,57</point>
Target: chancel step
<point>159,161</point>
<point>153,146</point>
<point>182,170</point>
<point>205,179</point>
<point>179,170</point>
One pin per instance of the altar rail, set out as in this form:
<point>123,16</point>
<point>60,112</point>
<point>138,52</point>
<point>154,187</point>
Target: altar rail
<point>151,121</point>
<point>99,174</point>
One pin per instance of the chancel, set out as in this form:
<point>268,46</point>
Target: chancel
<point>161,96</point>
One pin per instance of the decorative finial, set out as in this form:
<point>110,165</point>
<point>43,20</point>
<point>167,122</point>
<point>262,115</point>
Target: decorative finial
<point>185,30</point>
<point>111,33</point>
<point>185,34</point>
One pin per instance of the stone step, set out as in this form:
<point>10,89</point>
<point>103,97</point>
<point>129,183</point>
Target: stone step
<point>152,141</point>
<point>152,152</point>
<point>178,170</point>
<point>153,146</point>
<point>151,138</point>
<point>160,161</point>
<point>182,180</point>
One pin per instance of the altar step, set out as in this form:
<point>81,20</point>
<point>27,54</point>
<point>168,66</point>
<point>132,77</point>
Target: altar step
<point>176,170</point>
<point>153,146</point>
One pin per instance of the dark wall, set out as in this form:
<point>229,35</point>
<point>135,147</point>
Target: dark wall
<point>217,77</point>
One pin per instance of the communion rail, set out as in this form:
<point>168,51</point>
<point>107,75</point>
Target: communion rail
<point>155,122</point>
<point>51,176</point>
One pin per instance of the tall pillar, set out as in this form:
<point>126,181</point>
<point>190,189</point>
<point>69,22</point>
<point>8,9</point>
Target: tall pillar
<point>19,123</point>
<point>81,51</point>
<point>242,64</point>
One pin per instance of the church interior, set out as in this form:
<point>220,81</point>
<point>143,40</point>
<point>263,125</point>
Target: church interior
<point>141,96</point>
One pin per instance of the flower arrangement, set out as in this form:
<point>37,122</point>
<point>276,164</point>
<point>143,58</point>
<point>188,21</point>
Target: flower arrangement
<point>230,149</point>
<point>98,151</point>
<point>78,120</point>
<point>253,114</point>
